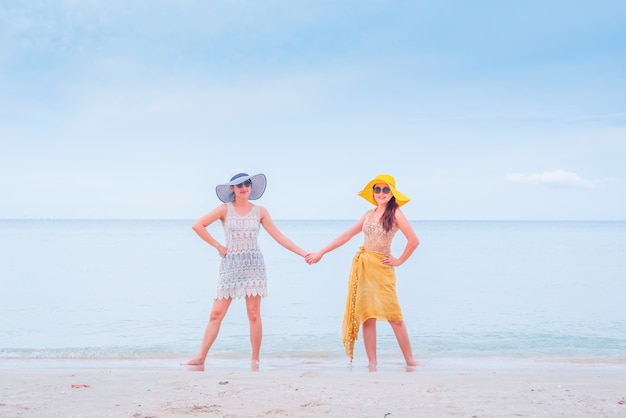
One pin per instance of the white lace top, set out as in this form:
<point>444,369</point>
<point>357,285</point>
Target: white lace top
<point>242,271</point>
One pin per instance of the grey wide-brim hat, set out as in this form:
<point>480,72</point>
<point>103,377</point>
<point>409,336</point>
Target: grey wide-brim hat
<point>256,191</point>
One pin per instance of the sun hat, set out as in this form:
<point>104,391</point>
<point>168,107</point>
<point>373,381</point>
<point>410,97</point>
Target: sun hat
<point>225,194</point>
<point>368,194</point>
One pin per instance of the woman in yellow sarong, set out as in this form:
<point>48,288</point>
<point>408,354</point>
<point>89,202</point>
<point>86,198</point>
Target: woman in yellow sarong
<point>372,282</point>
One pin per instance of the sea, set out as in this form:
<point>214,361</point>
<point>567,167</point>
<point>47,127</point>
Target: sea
<point>137,293</point>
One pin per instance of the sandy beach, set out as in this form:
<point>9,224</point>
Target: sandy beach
<point>569,390</point>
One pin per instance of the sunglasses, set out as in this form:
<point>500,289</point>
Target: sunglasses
<point>385,190</point>
<point>246,183</point>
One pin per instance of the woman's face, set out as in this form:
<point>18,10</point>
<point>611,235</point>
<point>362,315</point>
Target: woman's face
<point>382,193</point>
<point>242,189</point>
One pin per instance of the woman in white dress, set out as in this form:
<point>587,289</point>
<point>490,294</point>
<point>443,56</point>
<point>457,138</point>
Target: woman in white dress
<point>242,269</point>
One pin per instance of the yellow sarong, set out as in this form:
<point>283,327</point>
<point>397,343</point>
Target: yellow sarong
<point>371,294</point>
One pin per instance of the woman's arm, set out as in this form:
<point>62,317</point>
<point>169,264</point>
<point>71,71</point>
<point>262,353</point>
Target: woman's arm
<point>201,224</point>
<point>412,241</point>
<point>346,236</point>
<point>272,229</point>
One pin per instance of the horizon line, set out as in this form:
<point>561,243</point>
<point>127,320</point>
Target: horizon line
<point>314,219</point>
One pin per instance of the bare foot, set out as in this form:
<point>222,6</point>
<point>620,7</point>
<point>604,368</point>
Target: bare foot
<point>197,361</point>
<point>413,363</point>
<point>254,365</point>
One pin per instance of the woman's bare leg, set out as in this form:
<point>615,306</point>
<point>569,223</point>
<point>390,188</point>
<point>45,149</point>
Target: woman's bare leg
<point>253,307</point>
<point>369,340</point>
<point>218,312</point>
<point>399,329</point>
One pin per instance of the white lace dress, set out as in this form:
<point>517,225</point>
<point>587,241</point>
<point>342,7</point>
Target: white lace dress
<point>242,271</point>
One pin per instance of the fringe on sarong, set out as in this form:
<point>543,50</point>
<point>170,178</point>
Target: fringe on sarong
<point>371,294</point>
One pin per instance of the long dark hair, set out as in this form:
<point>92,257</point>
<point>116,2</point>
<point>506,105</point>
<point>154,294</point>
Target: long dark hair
<point>388,218</point>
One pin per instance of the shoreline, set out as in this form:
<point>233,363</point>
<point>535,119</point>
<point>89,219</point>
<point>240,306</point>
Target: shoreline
<point>323,362</point>
<point>550,389</point>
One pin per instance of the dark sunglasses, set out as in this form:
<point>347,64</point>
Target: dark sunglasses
<point>385,190</point>
<point>246,183</point>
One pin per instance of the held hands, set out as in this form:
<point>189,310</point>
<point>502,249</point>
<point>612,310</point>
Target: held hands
<point>312,258</point>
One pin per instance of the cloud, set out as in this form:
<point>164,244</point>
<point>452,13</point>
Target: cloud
<point>557,177</point>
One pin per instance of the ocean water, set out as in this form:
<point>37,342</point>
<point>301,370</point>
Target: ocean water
<point>139,292</point>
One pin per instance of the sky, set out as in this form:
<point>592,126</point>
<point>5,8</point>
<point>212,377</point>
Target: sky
<point>481,110</point>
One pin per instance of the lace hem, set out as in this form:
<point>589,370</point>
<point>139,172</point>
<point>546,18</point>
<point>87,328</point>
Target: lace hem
<point>240,292</point>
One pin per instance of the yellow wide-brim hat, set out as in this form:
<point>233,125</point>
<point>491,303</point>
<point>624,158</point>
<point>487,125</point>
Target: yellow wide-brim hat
<point>368,194</point>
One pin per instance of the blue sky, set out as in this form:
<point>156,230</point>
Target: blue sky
<point>481,110</point>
